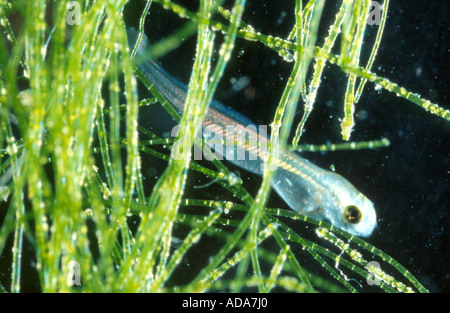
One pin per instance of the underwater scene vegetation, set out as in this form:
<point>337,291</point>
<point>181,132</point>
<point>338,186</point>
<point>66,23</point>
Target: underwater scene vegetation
<point>98,194</point>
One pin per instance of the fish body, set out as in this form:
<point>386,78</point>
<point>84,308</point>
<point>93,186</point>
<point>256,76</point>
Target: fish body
<point>305,187</point>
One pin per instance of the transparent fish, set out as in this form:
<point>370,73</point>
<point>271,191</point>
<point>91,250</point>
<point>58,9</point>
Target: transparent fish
<point>305,187</point>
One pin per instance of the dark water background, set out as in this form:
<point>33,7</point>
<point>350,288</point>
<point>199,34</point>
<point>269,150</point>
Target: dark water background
<point>408,182</point>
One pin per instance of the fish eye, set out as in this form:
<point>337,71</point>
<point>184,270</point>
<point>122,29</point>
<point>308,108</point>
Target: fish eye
<point>352,214</point>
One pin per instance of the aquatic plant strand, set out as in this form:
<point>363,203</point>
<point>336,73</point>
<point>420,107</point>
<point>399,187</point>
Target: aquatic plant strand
<point>71,149</point>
